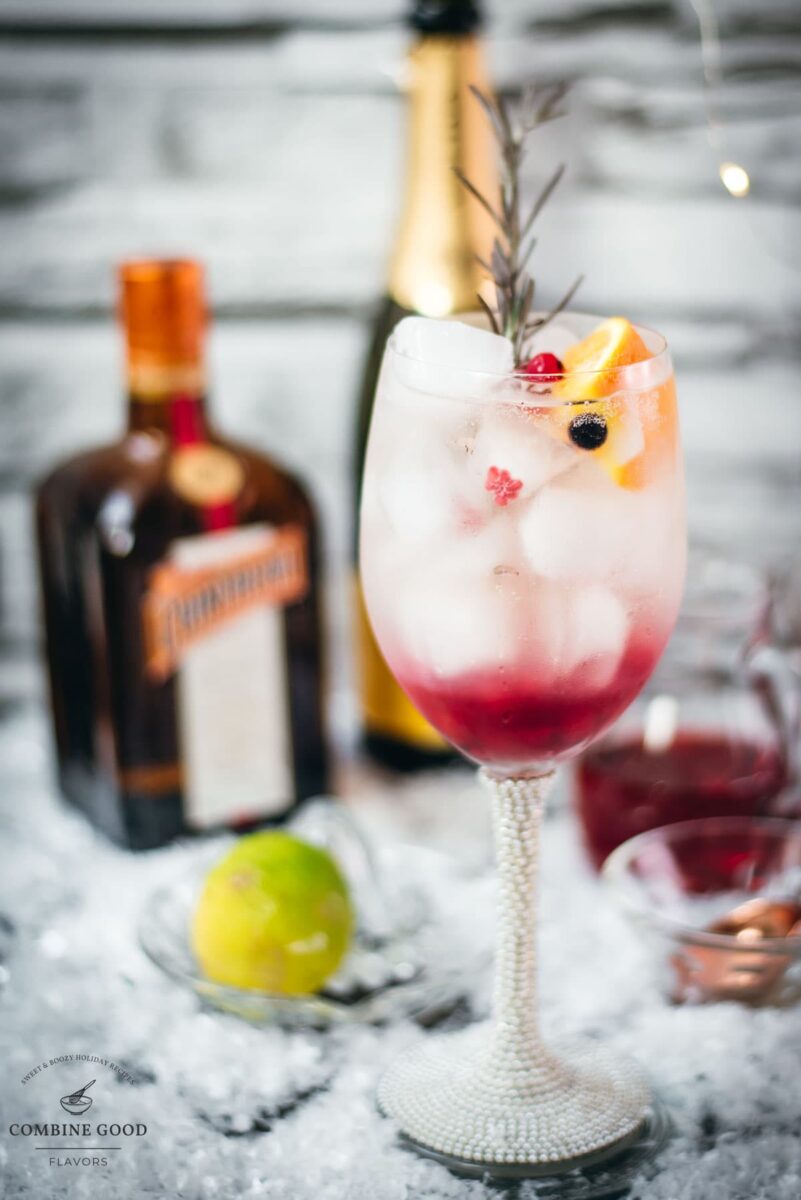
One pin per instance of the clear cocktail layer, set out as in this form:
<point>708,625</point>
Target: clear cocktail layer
<point>522,586</point>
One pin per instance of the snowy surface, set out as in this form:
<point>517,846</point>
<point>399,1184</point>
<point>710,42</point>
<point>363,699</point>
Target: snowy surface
<point>237,1111</point>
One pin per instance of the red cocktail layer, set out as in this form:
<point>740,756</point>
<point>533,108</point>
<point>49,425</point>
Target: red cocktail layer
<point>517,722</point>
<point>622,789</point>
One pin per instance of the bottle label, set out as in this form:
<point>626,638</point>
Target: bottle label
<point>213,616</point>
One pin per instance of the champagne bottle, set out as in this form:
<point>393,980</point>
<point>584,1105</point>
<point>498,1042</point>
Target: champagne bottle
<point>180,588</point>
<point>433,273</point>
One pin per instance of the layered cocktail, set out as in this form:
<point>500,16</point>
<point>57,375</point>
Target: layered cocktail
<point>522,556</point>
<point>523,536</point>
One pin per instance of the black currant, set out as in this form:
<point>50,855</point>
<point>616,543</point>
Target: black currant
<point>588,430</point>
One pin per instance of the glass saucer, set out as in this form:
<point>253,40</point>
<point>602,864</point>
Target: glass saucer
<point>406,960</point>
<point>678,883</point>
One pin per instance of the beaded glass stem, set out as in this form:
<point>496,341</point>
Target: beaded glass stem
<point>497,1095</point>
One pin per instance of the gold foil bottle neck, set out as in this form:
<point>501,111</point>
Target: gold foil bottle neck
<point>434,269</point>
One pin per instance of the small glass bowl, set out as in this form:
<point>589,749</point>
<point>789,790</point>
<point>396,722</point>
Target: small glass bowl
<point>408,958</point>
<point>679,881</point>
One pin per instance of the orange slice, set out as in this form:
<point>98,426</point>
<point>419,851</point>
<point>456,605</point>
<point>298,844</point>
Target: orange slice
<point>592,372</point>
<point>615,343</point>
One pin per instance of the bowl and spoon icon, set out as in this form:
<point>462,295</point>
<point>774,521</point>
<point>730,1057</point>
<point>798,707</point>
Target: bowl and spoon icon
<point>78,1102</point>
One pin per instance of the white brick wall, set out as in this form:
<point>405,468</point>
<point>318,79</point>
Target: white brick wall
<point>266,137</point>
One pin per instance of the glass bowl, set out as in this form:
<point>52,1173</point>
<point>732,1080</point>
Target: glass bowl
<point>406,958</point>
<point>718,898</point>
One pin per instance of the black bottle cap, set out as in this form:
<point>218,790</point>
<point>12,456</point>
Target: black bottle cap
<point>445,16</point>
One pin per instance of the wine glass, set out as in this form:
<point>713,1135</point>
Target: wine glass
<point>522,558</point>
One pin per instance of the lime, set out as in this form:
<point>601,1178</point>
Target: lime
<point>274,916</point>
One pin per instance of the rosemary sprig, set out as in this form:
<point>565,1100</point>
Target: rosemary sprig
<point>513,245</point>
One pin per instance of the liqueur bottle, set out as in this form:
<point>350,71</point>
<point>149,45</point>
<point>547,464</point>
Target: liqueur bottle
<point>434,273</point>
<point>179,581</point>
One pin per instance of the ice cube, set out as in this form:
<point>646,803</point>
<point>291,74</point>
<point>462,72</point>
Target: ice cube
<point>512,439</point>
<point>415,477</point>
<point>443,357</point>
<point>422,493</point>
<point>577,630</point>
<point>626,438</point>
<point>462,612</point>
<point>408,419</point>
<point>597,637</point>
<point>453,344</point>
<point>584,527</point>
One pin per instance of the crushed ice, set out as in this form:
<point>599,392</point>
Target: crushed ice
<point>233,1110</point>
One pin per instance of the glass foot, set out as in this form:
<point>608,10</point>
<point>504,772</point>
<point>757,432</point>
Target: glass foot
<point>464,1101</point>
<point>610,1173</point>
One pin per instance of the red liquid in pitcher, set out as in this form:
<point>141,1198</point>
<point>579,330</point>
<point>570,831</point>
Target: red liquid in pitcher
<point>623,789</point>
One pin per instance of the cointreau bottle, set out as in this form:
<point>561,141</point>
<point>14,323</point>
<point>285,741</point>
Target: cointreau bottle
<point>179,577</point>
<point>434,272</point>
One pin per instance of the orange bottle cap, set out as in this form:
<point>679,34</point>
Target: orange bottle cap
<point>163,310</point>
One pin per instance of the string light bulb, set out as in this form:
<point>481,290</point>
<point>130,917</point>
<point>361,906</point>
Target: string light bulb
<point>735,179</point>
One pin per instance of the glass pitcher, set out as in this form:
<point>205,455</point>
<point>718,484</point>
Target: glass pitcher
<point>713,732</point>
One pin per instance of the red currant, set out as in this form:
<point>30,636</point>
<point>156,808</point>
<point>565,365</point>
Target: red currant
<point>545,368</point>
